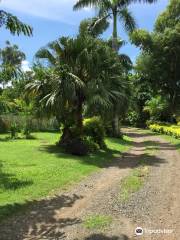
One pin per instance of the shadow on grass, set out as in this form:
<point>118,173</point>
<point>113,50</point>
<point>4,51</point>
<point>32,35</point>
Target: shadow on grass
<point>103,237</point>
<point>40,221</point>
<point>109,157</point>
<point>10,182</point>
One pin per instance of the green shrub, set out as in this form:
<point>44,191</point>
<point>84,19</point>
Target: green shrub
<point>36,124</point>
<point>27,132</point>
<point>77,147</point>
<point>157,108</point>
<point>172,130</point>
<point>132,118</point>
<point>93,128</point>
<point>3,126</point>
<point>92,146</point>
<point>14,130</point>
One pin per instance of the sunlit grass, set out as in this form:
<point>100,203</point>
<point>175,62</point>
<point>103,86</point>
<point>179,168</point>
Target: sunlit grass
<point>97,222</point>
<point>133,182</point>
<point>32,169</point>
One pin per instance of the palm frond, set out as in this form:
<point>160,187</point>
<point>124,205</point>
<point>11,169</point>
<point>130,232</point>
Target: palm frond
<point>13,24</point>
<point>78,82</point>
<point>127,19</point>
<point>44,53</point>
<point>142,1</point>
<point>86,3</point>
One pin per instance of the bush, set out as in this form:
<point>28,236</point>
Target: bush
<point>14,131</point>
<point>77,147</point>
<point>132,118</point>
<point>172,130</point>
<point>157,108</point>
<point>93,128</point>
<point>92,146</point>
<point>36,124</point>
<point>3,126</point>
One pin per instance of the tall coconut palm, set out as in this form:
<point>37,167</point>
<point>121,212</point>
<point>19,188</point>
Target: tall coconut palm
<point>13,24</point>
<point>113,10</point>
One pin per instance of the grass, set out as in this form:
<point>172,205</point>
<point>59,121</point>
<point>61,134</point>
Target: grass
<point>172,140</point>
<point>134,182</point>
<point>98,222</point>
<point>32,169</point>
<point>131,184</point>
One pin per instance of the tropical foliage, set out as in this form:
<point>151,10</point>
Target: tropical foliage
<point>158,63</point>
<point>171,130</point>
<point>82,72</point>
<point>112,10</point>
<point>13,24</point>
<point>84,86</point>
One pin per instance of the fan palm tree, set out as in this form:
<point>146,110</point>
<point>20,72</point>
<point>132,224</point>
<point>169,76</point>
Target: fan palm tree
<point>80,73</point>
<point>113,10</point>
<point>13,24</point>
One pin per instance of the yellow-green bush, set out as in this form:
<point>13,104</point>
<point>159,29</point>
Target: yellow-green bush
<point>94,128</point>
<point>172,130</point>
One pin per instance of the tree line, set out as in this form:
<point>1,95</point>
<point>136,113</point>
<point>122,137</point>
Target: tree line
<point>87,77</point>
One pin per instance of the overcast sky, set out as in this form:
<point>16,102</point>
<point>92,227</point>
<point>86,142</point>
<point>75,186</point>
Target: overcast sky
<point>51,19</point>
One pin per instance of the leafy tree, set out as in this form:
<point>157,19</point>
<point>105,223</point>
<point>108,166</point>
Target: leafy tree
<point>10,62</point>
<point>115,10</point>
<point>141,92</point>
<point>160,58</point>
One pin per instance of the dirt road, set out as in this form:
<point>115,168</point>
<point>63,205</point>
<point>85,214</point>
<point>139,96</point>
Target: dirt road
<point>155,207</point>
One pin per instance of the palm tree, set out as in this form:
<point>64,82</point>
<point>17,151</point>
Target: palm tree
<point>79,73</point>
<point>113,9</point>
<point>13,24</point>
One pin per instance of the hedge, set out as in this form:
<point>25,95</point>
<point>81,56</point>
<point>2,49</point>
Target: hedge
<point>172,130</point>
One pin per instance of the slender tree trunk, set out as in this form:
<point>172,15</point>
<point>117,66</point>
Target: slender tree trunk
<point>115,35</point>
<point>115,121</point>
<point>79,118</point>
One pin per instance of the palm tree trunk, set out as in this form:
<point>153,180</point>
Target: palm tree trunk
<point>79,118</point>
<point>115,35</point>
<point>115,121</point>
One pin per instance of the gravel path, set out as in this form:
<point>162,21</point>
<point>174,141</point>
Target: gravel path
<point>155,206</point>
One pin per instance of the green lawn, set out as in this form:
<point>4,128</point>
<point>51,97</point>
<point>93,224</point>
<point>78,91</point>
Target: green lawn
<point>32,169</point>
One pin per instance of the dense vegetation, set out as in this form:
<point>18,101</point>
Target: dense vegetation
<point>157,67</point>
<point>87,77</point>
<point>81,90</point>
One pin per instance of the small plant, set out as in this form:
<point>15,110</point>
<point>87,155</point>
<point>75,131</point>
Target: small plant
<point>98,222</point>
<point>27,132</point>
<point>14,130</point>
<point>93,128</point>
